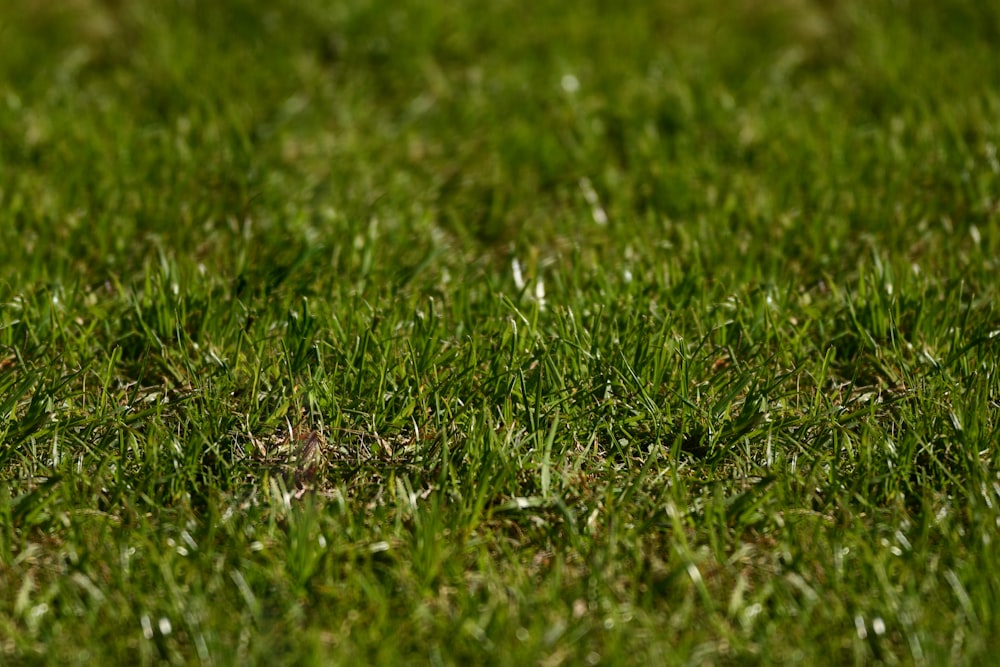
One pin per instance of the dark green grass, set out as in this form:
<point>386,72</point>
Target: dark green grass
<point>506,333</point>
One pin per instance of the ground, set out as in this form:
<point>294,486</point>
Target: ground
<point>499,333</point>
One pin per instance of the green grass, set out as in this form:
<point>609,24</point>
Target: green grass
<point>499,333</point>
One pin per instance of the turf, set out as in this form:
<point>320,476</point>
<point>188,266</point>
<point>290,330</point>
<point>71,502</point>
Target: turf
<point>499,333</point>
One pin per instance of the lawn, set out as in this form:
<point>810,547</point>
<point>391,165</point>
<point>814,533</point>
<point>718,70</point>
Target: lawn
<point>508,333</point>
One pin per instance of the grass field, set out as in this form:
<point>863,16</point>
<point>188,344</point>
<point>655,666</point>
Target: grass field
<point>500,333</point>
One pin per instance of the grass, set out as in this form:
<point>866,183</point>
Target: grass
<point>499,333</point>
